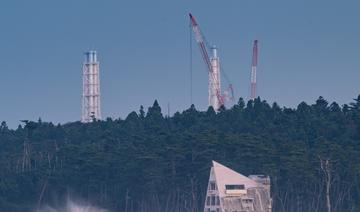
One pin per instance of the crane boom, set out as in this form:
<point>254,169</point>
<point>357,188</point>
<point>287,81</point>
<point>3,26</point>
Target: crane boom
<point>200,40</point>
<point>213,74</point>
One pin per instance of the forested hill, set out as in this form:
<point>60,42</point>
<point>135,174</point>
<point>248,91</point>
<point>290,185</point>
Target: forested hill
<point>149,162</point>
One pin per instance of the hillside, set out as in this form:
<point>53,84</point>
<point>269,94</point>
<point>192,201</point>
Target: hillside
<point>149,162</point>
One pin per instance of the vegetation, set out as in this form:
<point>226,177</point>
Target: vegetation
<point>149,162</point>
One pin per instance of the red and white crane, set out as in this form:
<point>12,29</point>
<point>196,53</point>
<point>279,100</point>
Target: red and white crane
<point>253,70</point>
<point>216,98</point>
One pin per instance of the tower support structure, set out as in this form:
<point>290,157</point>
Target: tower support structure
<point>214,81</point>
<point>253,71</point>
<point>91,88</point>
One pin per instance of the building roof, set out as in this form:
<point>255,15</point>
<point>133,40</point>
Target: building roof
<point>226,176</point>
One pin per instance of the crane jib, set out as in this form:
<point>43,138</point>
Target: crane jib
<point>201,43</point>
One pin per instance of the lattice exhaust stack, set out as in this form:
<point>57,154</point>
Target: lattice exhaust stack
<point>91,88</point>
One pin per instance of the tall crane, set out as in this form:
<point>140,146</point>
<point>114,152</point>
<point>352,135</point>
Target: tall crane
<point>216,98</point>
<point>253,71</point>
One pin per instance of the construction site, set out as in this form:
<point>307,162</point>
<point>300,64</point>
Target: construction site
<point>218,93</point>
<point>179,106</point>
<point>228,191</point>
<point>209,53</point>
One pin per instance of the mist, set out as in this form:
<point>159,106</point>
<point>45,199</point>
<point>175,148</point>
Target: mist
<point>72,206</point>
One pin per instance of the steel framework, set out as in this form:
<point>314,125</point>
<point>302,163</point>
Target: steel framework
<point>91,88</point>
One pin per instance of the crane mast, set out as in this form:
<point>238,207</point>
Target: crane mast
<point>216,100</point>
<point>253,71</point>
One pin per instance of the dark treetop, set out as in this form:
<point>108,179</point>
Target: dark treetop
<point>149,162</point>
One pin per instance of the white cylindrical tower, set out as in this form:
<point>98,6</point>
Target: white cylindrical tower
<point>253,94</point>
<point>91,88</point>
<point>214,81</point>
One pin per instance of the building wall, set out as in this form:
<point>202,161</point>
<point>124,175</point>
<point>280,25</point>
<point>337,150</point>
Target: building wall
<point>240,193</point>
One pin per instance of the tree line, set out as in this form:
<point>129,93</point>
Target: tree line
<point>149,162</point>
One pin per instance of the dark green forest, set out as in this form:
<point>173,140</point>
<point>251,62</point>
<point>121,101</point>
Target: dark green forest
<point>149,162</point>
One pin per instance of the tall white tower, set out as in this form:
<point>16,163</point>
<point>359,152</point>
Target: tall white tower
<point>214,81</point>
<point>91,88</point>
<point>253,71</point>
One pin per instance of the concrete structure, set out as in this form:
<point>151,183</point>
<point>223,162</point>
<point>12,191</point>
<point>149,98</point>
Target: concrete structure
<point>229,191</point>
<point>91,88</point>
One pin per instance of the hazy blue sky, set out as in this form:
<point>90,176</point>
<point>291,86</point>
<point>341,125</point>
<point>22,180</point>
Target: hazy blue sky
<point>307,48</point>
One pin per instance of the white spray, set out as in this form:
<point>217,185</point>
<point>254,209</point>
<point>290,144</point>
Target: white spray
<point>73,207</point>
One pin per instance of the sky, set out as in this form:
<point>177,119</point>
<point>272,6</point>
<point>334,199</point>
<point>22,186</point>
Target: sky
<point>307,49</point>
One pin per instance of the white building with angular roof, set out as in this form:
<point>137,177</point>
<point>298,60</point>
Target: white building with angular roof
<point>229,191</point>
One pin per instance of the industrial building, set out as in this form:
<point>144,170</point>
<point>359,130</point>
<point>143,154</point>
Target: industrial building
<point>229,191</point>
<point>91,88</point>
